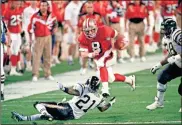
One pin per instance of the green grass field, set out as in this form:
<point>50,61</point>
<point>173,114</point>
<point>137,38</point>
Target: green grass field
<point>129,106</point>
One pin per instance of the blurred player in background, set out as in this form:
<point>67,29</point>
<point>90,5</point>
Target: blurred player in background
<point>27,14</point>
<point>95,42</point>
<point>172,41</point>
<point>13,19</point>
<point>71,20</point>
<point>86,97</point>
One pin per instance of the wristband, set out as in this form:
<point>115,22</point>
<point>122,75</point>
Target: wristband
<point>65,89</point>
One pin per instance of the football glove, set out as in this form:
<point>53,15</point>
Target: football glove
<point>112,101</point>
<point>155,68</point>
<point>61,87</point>
<point>173,59</point>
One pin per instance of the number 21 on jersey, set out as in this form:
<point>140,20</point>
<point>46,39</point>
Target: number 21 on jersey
<point>87,103</point>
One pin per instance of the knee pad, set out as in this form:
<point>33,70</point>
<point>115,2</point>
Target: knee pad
<point>163,78</point>
<point>161,87</point>
<point>180,89</point>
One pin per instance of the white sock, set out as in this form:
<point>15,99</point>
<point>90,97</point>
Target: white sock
<point>2,87</point>
<point>70,58</point>
<point>33,117</point>
<point>128,79</point>
<point>160,95</point>
<point>28,63</point>
<point>41,108</point>
<point>105,85</point>
<point>19,65</point>
<point>81,61</point>
<point>13,69</point>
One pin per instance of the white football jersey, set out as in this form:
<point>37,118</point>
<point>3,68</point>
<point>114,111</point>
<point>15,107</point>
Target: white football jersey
<point>86,101</point>
<point>173,46</point>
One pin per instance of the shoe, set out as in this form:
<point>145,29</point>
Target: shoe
<point>52,65</point>
<point>83,71</point>
<point>133,83</point>
<point>105,93</point>
<point>180,110</point>
<point>12,72</point>
<point>16,116</point>
<point>143,59</point>
<point>155,105</point>
<point>2,96</point>
<point>121,60</point>
<point>34,79</point>
<point>70,62</point>
<point>57,61</point>
<point>51,78</point>
<point>132,60</point>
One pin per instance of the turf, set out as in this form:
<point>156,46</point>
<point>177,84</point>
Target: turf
<point>129,106</point>
<point>59,68</point>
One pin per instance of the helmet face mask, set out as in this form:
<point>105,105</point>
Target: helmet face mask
<point>168,26</point>
<point>90,28</point>
<point>93,84</point>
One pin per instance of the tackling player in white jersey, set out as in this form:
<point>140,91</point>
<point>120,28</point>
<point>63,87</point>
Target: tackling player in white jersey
<point>172,40</point>
<point>86,97</point>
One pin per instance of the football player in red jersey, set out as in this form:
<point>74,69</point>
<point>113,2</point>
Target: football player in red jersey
<point>13,18</point>
<point>89,13</point>
<point>168,8</point>
<point>95,42</point>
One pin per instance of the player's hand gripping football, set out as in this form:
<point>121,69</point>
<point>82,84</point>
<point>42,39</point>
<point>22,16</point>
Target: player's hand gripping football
<point>155,68</point>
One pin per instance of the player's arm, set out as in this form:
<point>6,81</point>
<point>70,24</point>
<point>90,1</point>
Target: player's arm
<point>103,107</point>
<point>69,90</point>
<point>169,59</point>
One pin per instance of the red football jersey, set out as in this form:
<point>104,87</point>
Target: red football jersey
<point>169,7</point>
<point>102,41</point>
<point>14,19</point>
<point>150,5</point>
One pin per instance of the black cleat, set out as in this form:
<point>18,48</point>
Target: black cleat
<point>17,116</point>
<point>47,117</point>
